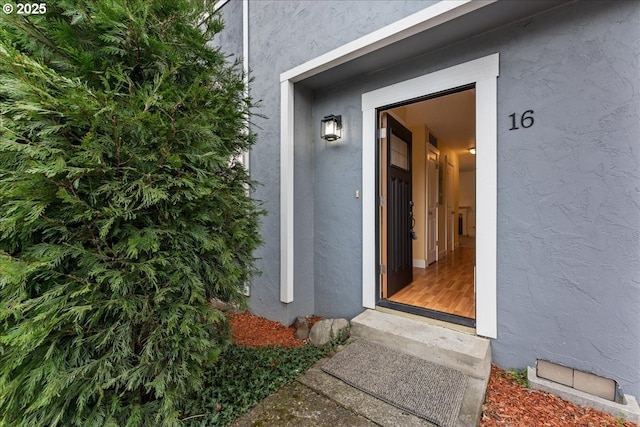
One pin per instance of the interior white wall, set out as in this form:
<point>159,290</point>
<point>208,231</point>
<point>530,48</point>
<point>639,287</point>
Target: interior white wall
<point>467,197</point>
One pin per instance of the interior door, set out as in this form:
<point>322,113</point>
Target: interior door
<point>452,224</point>
<point>432,205</point>
<point>399,204</point>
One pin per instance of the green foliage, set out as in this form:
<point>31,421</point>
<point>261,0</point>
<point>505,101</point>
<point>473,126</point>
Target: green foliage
<point>122,211</point>
<point>619,421</point>
<point>244,376</point>
<point>519,376</point>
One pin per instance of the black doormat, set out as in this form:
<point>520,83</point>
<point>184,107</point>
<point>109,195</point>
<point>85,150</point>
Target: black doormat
<point>424,389</point>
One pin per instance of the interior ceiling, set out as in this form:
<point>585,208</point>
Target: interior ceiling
<point>451,119</point>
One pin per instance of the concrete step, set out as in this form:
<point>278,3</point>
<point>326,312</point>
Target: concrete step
<point>465,352</point>
<point>458,350</point>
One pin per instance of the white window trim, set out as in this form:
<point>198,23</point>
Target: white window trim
<point>430,17</point>
<point>482,72</point>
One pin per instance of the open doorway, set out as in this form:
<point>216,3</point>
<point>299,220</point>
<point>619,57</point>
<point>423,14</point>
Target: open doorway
<point>427,221</point>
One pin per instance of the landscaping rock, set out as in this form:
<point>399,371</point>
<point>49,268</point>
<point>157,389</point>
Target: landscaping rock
<point>302,328</point>
<point>224,306</point>
<point>338,326</point>
<point>326,330</point>
<point>219,305</point>
<point>321,332</point>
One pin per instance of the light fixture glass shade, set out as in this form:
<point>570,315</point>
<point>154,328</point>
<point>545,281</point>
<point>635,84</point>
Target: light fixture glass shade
<point>472,150</point>
<point>331,128</point>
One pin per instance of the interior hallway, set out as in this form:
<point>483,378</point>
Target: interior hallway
<point>446,285</point>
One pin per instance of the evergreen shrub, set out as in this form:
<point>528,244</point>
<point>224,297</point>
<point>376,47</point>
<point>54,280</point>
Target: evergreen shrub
<point>123,210</point>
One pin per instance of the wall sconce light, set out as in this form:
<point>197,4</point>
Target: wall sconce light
<point>331,128</point>
<point>472,150</point>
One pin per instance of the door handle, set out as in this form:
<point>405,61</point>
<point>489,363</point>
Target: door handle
<point>412,233</point>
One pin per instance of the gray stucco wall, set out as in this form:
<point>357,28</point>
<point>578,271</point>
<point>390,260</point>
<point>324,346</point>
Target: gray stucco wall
<point>569,192</point>
<point>230,39</point>
<point>282,35</point>
<point>568,187</point>
<point>338,213</point>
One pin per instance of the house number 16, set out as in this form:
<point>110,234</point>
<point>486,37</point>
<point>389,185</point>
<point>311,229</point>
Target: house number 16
<point>526,120</point>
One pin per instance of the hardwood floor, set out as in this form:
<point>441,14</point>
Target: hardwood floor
<point>445,285</point>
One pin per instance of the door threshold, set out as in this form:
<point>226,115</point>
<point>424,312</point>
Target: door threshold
<point>440,316</point>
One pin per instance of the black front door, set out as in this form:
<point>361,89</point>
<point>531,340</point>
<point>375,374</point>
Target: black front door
<point>399,221</point>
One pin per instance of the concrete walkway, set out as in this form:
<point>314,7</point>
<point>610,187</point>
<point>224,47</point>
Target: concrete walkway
<point>296,405</point>
<point>319,399</point>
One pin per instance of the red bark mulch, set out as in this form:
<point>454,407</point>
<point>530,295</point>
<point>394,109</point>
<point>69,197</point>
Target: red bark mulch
<point>507,404</point>
<point>254,331</point>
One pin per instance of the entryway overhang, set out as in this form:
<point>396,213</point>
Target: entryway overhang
<point>438,25</point>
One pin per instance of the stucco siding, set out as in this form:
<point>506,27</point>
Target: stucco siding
<point>282,35</point>
<point>568,194</point>
<point>229,40</point>
<point>338,213</point>
<point>568,187</point>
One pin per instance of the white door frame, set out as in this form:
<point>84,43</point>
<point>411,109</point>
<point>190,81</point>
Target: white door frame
<point>450,207</point>
<point>433,16</point>
<point>434,150</point>
<point>482,72</point>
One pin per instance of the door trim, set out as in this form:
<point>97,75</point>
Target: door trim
<point>431,150</point>
<point>433,16</point>
<point>450,223</point>
<point>482,72</point>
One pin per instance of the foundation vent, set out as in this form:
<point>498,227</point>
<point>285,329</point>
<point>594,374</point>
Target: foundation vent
<point>589,383</point>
